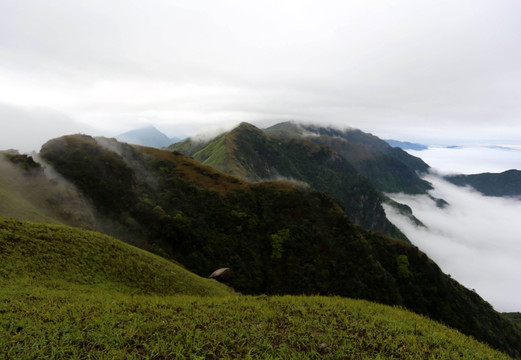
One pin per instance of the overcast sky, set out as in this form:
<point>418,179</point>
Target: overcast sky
<point>430,71</point>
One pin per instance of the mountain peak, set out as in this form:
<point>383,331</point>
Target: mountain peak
<point>244,126</point>
<point>285,129</point>
<point>146,136</point>
<point>245,131</point>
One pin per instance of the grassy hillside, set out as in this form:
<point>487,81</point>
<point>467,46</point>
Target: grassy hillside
<point>249,153</point>
<point>54,256</point>
<point>277,237</point>
<point>71,293</point>
<point>58,324</point>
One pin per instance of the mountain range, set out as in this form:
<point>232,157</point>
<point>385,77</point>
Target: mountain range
<point>278,236</point>
<point>255,155</point>
<point>406,145</point>
<point>389,169</point>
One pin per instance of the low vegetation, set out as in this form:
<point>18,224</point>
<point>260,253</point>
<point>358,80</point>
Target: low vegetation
<point>67,293</point>
<point>70,293</point>
<point>61,324</point>
<point>55,256</point>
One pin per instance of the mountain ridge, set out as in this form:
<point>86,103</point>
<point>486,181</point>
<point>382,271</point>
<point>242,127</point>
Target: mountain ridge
<point>278,237</point>
<point>250,153</point>
<point>406,145</point>
<point>389,169</point>
<point>507,183</point>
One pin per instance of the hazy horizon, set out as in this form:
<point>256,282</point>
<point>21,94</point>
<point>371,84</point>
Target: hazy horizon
<point>407,70</point>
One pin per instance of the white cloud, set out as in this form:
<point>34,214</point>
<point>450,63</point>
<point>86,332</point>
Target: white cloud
<point>27,130</point>
<point>476,239</point>
<point>470,160</point>
<point>401,68</point>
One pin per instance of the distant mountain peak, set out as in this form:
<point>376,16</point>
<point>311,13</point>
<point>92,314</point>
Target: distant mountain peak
<point>406,145</point>
<point>146,136</point>
<point>245,126</point>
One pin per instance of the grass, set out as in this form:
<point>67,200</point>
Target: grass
<point>58,256</point>
<point>213,155</point>
<point>67,293</point>
<point>79,323</point>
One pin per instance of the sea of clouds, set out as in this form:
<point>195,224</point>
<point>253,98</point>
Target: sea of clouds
<point>476,239</point>
<point>472,159</point>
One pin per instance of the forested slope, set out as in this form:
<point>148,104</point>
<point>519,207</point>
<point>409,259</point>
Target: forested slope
<point>278,237</point>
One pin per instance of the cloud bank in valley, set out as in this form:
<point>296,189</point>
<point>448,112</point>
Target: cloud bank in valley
<point>476,239</point>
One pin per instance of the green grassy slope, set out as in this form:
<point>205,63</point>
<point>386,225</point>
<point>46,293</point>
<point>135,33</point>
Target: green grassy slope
<point>215,155</point>
<point>62,324</point>
<point>59,256</point>
<point>71,293</point>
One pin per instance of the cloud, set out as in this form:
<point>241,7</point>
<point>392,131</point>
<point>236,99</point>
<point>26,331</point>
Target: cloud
<point>471,160</point>
<point>27,130</point>
<point>475,239</point>
<point>402,68</point>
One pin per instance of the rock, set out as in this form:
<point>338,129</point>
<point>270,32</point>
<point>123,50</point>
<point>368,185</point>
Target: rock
<point>221,274</point>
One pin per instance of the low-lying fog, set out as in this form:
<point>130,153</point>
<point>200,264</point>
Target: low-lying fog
<point>476,239</point>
